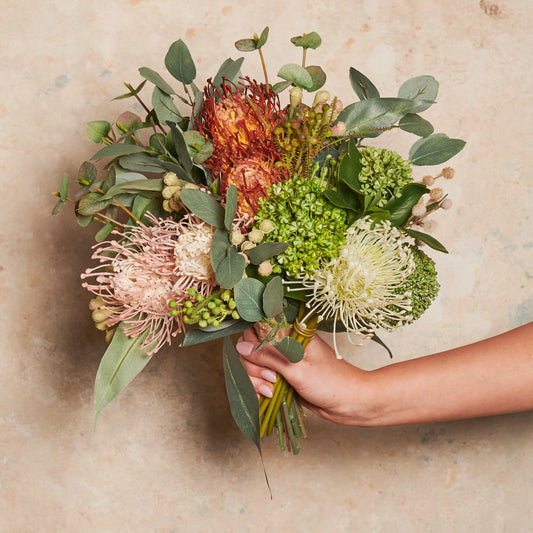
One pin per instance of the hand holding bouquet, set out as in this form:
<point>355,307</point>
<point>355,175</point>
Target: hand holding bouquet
<point>261,205</point>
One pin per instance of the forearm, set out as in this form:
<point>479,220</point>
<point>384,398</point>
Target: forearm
<point>486,378</point>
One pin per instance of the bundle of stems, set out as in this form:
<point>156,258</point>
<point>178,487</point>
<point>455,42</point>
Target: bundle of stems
<point>284,409</point>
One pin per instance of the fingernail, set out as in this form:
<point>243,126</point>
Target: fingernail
<point>269,376</point>
<point>265,390</point>
<point>244,347</point>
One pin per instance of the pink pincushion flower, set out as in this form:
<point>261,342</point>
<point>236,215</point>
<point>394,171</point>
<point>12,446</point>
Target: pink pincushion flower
<point>149,266</point>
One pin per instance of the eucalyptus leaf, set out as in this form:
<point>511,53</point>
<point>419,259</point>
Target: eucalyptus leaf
<point>156,79</point>
<point>132,92</point>
<point>248,294</point>
<point>158,142</point>
<point>83,220</point>
<point>291,349</point>
<point>87,173</point>
<point>369,118</point>
<point>281,86</point>
<point>92,203</point>
<point>117,150</point>
<point>58,207</point>
<point>179,62</point>
<point>63,189</point>
<point>273,297</point>
<point>262,38</point>
<point>110,179</point>
<point>246,45</point>
<point>164,107</point>
<point>434,150</point>
<point>231,206</point>
<point>181,146</point>
<point>427,239</point>
<point>135,186</point>
<point>230,70</point>
<point>400,208</point>
<point>220,246</point>
<point>413,123</point>
<point>307,40</point>
<point>204,206</point>
<point>243,401</point>
<point>230,270</point>
<point>422,89</point>
<point>198,336</point>
<point>265,251</point>
<point>362,86</point>
<point>122,361</point>
<point>297,75</point>
<point>142,163</point>
<point>318,76</point>
<point>142,205</point>
<point>96,130</point>
<point>104,232</point>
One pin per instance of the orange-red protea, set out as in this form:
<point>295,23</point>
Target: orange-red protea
<point>240,120</point>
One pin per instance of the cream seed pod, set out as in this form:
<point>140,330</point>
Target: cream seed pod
<point>266,225</point>
<point>256,235</point>
<point>446,203</point>
<point>320,97</point>
<point>237,237</point>
<point>448,173</point>
<point>419,209</point>
<point>247,245</point>
<point>265,268</point>
<point>436,194</point>
<point>246,258</point>
<point>428,180</point>
<point>171,179</point>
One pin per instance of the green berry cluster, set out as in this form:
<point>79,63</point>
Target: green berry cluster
<point>206,311</point>
<point>302,217</point>
<point>383,172</point>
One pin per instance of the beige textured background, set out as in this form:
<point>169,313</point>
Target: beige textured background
<point>166,456</point>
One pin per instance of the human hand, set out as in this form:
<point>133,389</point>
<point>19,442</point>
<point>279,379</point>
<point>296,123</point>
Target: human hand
<point>331,388</point>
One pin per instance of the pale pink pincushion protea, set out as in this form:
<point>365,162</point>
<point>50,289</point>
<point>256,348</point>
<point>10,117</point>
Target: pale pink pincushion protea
<point>145,269</point>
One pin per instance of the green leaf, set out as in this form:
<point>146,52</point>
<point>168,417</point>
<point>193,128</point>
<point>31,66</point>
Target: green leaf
<point>142,163</point>
<point>156,79</point>
<point>242,398</point>
<point>63,189</point>
<point>369,118</point>
<point>427,239</point>
<point>307,40</point>
<point>344,201</point>
<point>297,75</point>
<point>362,86</point>
<point>110,179</point>
<point>400,208</point>
<point>198,147</point>
<point>58,207</point>
<point>92,203</point>
<point>422,89</point>
<point>318,76</point>
<point>229,70</point>
<point>262,38</point>
<point>129,122</point>
<point>142,205</point>
<point>97,130</point>
<point>434,150</point>
<point>104,232</point>
<point>181,147</point>
<point>117,150</point>
<point>158,143</point>
<point>281,86</point>
<point>265,251</point>
<point>219,247</point>
<point>164,107</point>
<point>230,270</point>
<point>87,174</point>
<point>290,348</point>
<point>132,92</point>
<point>83,220</point>
<point>231,206</point>
<point>226,328</point>
<point>249,297</point>
<point>179,62</point>
<point>413,123</point>
<point>204,206</point>
<point>246,45</point>
<point>350,167</point>
<point>122,361</point>
<point>273,297</point>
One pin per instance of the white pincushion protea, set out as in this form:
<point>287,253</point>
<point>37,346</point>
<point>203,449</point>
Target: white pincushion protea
<point>362,286</point>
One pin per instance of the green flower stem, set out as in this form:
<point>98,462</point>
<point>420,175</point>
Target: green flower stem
<point>263,65</point>
<point>279,426</point>
<point>290,433</point>
<point>270,409</point>
<point>276,406</point>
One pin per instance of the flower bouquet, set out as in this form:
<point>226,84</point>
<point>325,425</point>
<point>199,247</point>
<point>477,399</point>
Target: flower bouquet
<point>260,205</point>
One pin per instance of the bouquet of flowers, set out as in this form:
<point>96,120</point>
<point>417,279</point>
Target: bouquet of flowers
<point>260,206</point>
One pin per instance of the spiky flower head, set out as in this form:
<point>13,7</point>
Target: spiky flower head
<point>384,172</point>
<point>364,286</point>
<point>240,120</point>
<point>149,266</point>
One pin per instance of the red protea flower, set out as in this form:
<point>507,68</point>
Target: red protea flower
<point>240,120</point>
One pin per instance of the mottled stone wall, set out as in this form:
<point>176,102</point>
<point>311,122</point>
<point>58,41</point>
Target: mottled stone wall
<point>166,455</point>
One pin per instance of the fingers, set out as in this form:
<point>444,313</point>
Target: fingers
<point>267,357</point>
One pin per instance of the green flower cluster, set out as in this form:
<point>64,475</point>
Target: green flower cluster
<point>383,172</point>
<point>206,311</point>
<point>422,282</point>
<point>305,219</point>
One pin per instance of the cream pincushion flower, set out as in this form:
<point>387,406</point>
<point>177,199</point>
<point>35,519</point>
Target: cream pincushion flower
<point>360,286</point>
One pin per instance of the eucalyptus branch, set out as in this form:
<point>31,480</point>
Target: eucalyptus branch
<point>264,66</point>
<point>122,206</point>
<point>304,55</point>
<point>191,101</point>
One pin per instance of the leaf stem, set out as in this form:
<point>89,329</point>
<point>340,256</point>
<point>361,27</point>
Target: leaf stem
<point>122,206</point>
<point>138,98</point>
<point>264,66</point>
<point>304,55</point>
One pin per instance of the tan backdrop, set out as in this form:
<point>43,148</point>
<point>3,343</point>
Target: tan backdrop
<point>166,455</point>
